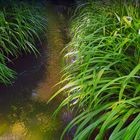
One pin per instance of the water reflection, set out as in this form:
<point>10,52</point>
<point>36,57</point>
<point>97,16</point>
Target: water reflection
<point>34,120</point>
<point>22,114</point>
<point>31,121</point>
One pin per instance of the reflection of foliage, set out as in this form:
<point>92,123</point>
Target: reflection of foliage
<point>36,118</point>
<point>3,127</point>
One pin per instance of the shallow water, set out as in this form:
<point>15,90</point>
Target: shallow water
<point>24,111</point>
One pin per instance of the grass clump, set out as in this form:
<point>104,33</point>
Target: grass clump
<point>20,28</point>
<point>103,72</point>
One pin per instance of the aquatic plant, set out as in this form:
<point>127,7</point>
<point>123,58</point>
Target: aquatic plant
<point>20,28</point>
<point>102,76</point>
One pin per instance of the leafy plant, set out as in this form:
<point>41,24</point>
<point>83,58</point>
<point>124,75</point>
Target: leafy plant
<point>103,74</point>
<point>20,28</point>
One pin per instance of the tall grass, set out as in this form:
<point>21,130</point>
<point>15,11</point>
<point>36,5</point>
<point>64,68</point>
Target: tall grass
<point>20,28</point>
<point>102,77</point>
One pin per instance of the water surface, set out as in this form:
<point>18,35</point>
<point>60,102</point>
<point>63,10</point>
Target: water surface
<point>24,111</point>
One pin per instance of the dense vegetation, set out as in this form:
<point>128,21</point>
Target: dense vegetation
<point>20,27</point>
<point>103,72</point>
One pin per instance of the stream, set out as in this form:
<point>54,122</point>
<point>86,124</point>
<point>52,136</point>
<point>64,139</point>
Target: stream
<point>24,111</point>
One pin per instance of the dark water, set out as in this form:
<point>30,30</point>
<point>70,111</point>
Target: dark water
<point>23,115</point>
<point>24,111</point>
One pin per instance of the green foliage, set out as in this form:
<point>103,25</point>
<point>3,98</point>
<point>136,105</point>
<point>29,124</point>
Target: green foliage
<point>103,74</point>
<point>20,27</point>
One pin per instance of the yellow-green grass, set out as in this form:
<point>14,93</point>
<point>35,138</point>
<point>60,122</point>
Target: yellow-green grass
<point>102,79</point>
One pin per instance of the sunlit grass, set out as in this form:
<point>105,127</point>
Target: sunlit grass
<point>103,74</point>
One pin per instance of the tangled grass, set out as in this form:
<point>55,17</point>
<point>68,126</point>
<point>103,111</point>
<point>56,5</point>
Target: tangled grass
<point>20,27</point>
<point>103,75</point>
